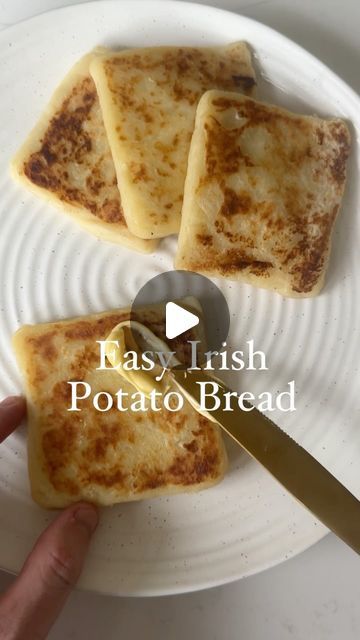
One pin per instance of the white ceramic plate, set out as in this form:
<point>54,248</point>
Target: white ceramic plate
<point>51,269</point>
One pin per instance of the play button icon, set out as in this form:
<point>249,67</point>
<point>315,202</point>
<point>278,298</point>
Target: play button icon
<point>184,301</point>
<point>178,320</point>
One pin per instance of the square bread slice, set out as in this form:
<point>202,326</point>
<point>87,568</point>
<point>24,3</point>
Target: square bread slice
<point>262,193</point>
<point>107,457</point>
<point>67,160</point>
<point>148,99</point>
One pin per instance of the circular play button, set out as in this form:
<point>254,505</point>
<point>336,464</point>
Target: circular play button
<point>187,308</point>
<point>178,320</point>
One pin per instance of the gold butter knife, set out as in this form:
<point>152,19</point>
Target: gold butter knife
<point>303,476</point>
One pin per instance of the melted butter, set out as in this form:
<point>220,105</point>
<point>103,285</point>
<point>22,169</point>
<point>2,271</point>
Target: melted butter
<point>143,381</point>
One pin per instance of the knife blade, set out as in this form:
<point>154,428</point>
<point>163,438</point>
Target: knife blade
<point>289,463</point>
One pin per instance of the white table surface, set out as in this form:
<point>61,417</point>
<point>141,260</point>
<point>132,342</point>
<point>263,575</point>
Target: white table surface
<point>314,596</point>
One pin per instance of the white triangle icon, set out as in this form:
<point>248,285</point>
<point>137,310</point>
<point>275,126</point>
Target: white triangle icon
<point>178,320</point>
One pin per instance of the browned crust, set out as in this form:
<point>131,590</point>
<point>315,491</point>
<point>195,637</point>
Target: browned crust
<point>298,143</point>
<point>66,144</point>
<point>149,98</point>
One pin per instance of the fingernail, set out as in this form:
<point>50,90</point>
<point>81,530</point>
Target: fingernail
<point>88,516</point>
<point>11,400</point>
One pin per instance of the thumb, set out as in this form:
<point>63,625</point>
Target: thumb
<point>12,411</point>
<point>32,604</point>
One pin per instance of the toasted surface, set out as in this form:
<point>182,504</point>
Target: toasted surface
<point>262,193</point>
<point>67,160</point>
<point>106,457</point>
<point>148,99</point>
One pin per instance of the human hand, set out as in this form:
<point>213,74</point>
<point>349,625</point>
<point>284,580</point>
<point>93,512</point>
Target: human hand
<point>31,605</point>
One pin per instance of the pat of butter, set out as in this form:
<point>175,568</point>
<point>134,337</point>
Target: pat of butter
<point>143,381</point>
